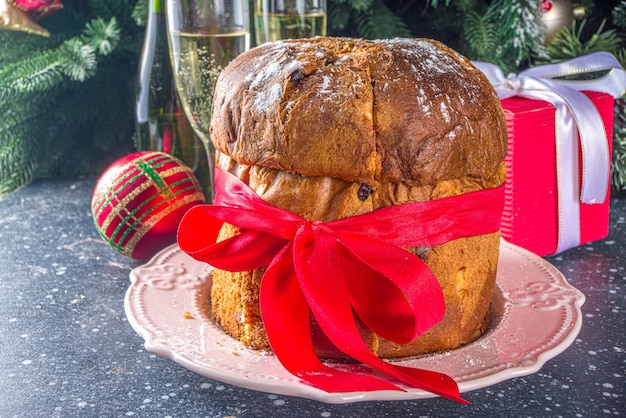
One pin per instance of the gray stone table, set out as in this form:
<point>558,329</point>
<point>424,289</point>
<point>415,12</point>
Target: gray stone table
<point>67,349</point>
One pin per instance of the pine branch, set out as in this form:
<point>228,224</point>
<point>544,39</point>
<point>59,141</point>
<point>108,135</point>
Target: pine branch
<point>75,58</point>
<point>520,31</point>
<point>109,9</point>
<point>101,36</point>
<point>338,16</point>
<point>38,73</point>
<point>140,12</point>
<point>619,15</point>
<point>466,6</point>
<point>569,44</point>
<point>380,22</point>
<point>18,159</point>
<point>360,5</point>
<point>66,101</point>
<point>481,36</point>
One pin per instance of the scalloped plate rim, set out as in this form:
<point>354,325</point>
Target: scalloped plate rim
<point>294,387</point>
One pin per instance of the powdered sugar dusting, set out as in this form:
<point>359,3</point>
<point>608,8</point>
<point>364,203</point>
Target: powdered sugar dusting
<point>325,84</point>
<point>270,71</point>
<point>424,105</point>
<point>293,65</point>
<point>420,62</point>
<point>423,57</point>
<point>436,60</point>
<point>443,108</point>
<point>265,98</point>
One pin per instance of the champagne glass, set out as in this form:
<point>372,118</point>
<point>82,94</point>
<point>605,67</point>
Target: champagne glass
<point>289,19</point>
<point>204,36</point>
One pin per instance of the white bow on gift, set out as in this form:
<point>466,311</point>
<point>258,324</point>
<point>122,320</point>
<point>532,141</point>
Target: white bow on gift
<point>575,115</point>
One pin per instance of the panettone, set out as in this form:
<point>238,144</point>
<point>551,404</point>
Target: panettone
<point>331,127</point>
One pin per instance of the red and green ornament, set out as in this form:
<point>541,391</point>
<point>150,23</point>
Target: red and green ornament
<point>139,201</point>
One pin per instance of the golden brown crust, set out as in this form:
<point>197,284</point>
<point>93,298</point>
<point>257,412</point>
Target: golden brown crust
<point>330,128</point>
<point>235,301</point>
<point>382,111</point>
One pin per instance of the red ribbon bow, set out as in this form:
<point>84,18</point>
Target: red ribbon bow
<point>336,269</point>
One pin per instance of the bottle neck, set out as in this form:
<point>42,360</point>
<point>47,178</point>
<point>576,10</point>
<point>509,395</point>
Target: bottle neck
<point>156,6</point>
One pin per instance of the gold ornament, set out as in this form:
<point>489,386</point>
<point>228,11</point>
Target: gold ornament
<point>556,15</point>
<point>580,11</point>
<point>12,18</point>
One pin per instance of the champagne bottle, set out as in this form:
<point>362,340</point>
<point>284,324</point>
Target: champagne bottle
<point>161,124</point>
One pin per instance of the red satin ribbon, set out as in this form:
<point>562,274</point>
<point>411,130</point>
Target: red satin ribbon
<point>336,269</point>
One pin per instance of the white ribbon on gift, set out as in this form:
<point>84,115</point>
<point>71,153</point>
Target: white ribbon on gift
<point>575,115</point>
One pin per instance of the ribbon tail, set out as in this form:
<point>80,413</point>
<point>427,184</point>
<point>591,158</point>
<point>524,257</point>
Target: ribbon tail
<point>286,318</point>
<point>434,382</point>
<point>394,292</point>
<point>327,294</point>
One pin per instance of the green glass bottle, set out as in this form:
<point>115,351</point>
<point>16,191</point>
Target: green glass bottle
<point>161,124</point>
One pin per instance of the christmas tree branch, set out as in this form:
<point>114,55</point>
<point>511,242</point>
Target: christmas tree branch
<point>569,42</point>
<point>66,101</point>
<point>380,22</point>
<point>75,58</point>
<point>35,74</point>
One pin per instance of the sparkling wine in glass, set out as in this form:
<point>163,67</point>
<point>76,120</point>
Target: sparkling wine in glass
<point>289,19</point>
<point>204,37</point>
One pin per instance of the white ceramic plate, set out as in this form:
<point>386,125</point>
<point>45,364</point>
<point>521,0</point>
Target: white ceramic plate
<point>537,316</point>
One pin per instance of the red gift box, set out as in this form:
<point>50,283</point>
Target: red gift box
<point>531,212</point>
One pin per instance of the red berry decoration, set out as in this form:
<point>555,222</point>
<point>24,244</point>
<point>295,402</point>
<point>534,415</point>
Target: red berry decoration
<point>139,201</point>
<point>545,6</point>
